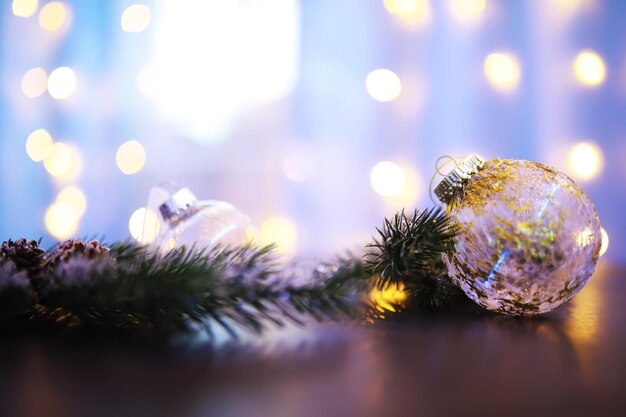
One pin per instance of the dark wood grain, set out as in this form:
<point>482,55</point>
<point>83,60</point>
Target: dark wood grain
<point>461,363</point>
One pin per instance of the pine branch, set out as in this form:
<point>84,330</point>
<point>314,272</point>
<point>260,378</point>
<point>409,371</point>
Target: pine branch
<point>408,253</point>
<point>233,287</point>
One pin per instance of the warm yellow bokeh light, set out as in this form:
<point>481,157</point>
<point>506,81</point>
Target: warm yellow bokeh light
<point>279,231</point>
<point>589,68</point>
<point>53,15</point>
<point>571,6</point>
<point>24,8</point>
<point>130,157</point>
<point>62,83</point>
<point>61,220</point>
<point>502,71</point>
<point>63,162</point>
<point>605,242</point>
<point>73,197</point>
<point>144,225</point>
<point>467,11</point>
<point>412,190</point>
<point>410,11</point>
<point>387,179</point>
<point>39,145</point>
<point>389,298</point>
<point>34,82</point>
<point>136,18</point>
<point>383,85</point>
<point>401,6</point>
<point>585,160</point>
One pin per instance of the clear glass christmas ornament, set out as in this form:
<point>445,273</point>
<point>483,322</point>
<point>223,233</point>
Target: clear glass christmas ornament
<point>528,238</point>
<point>182,220</point>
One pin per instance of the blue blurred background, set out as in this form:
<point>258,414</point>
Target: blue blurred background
<point>317,118</point>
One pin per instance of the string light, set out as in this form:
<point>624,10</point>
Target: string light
<point>64,162</point>
<point>144,225</point>
<point>281,232</point>
<point>53,16</point>
<point>135,18</point>
<point>130,157</point>
<point>585,160</point>
<point>73,197</point>
<point>383,85</point>
<point>413,12</point>
<point>570,8</point>
<point>39,145</point>
<point>605,242</point>
<point>387,179</point>
<point>502,71</point>
<point>34,82</point>
<point>589,68</point>
<point>467,11</point>
<point>62,83</point>
<point>411,192</point>
<point>61,220</point>
<point>222,71</point>
<point>24,8</point>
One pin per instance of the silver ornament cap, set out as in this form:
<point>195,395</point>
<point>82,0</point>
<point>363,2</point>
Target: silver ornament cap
<point>181,205</point>
<point>456,178</point>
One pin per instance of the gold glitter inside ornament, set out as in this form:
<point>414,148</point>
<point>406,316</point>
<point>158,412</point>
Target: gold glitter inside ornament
<point>528,238</point>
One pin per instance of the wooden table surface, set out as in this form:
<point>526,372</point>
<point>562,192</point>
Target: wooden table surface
<point>465,362</point>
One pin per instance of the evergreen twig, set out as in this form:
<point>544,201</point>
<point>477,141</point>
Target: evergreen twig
<point>408,252</point>
<point>137,289</point>
<point>129,287</point>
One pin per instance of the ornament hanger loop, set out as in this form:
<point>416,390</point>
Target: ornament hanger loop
<point>440,164</point>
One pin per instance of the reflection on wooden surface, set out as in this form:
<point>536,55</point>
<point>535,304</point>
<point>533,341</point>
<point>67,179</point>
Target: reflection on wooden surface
<point>463,362</point>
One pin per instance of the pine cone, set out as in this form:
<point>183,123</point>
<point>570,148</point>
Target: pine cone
<point>74,247</point>
<point>26,255</point>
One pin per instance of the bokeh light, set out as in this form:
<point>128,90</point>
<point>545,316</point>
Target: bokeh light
<point>144,225</point>
<point>73,197</point>
<point>585,160</point>
<point>24,8</point>
<point>571,6</point>
<point>605,242</point>
<point>64,162</point>
<point>34,82</point>
<point>410,194</point>
<point>39,145</point>
<point>61,220</point>
<point>135,18</point>
<point>388,298</point>
<point>467,11</point>
<point>130,157</point>
<point>387,179</point>
<point>279,231</point>
<point>589,68</point>
<point>53,16</point>
<point>62,83</point>
<point>502,71</point>
<point>383,85</point>
<point>416,12</point>
<point>222,72</point>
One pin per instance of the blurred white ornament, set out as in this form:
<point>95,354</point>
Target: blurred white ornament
<point>183,220</point>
